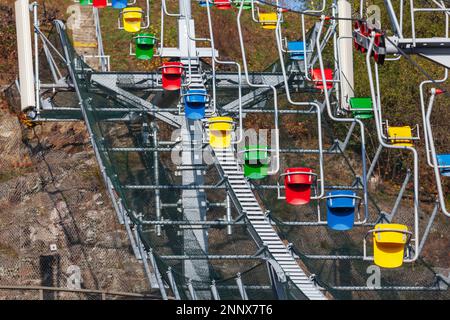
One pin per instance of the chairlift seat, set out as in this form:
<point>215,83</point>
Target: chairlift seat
<point>341,206</point>
<point>85,2</point>
<point>100,3</point>
<point>132,19</point>
<point>360,107</point>
<point>247,4</point>
<point>444,160</point>
<point>400,132</point>
<point>220,129</point>
<point>222,4</point>
<point>317,78</point>
<point>204,3</point>
<point>296,50</point>
<point>119,4</point>
<point>256,162</point>
<point>389,246</point>
<point>268,20</point>
<point>297,185</point>
<point>171,75</point>
<point>145,44</point>
<point>195,104</point>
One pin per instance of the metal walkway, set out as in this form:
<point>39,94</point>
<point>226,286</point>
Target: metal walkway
<point>241,192</point>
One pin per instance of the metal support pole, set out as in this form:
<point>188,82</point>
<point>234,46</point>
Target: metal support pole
<point>241,287</point>
<point>374,162</point>
<point>191,290</point>
<point>428,228</point>
<point>214,291</point>
<point>36,57</point>
<point>153,282</point>
<point>158,275</point>
<point>129,232</point>
<point>229,218</point>
<point>156,172</point>
<point>393,17</point>
<point>173,284</point>
<point>399,197</point>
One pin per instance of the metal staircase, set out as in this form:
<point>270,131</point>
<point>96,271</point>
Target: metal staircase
<point>242,193</point>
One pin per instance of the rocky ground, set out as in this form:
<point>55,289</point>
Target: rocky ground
<point>51,194</point>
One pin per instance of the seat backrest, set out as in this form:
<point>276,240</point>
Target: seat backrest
<point>317,78</point>
<point>337,199</point>
<point>247,4</point>
<point>296,46</point>
<point>298,176</point>
<point>172,68</point>
<point>268,20</point>
<point>85,2</point>
<point>296,50</point>
<point>222,4</point>
<point>204,3</point>
<point>196,97</point>
<point>360,107</point>
<point>256,154</point>
<point>119,4</point>
<point>391,237</point>
<point>400,132</point>
<point>100,3</point>
<point>145,40</point>
<point>269,17</point>
<point>220,124</point>
<point>132,14</point>
<point>444,160</point>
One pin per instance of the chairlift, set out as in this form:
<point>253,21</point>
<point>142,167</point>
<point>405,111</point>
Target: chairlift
<point>361,108</point>
<point>220,132</point>
<point>171,75</point>
<point>444,161</point>
<point>341,208</point>
<point>134,19</point>
<point>222,4</point>
<point>99,3</point>
<point>204,3</point>
<point>268,20</point>
<point>247,4</point>
<point>379,48</point>
<point>119,4</point>
<point>401,136</point>
<point>298,183</point>
<point>316,76</point>
<point>195,103</point>
<point>389,243</point>
<point>85,2</point>
<point>361,41</point>
<point>296,50</point>
<point>256,162</point>
<point>144,46</point>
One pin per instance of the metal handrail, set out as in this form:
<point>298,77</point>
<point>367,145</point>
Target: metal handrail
<point>436,166</point>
